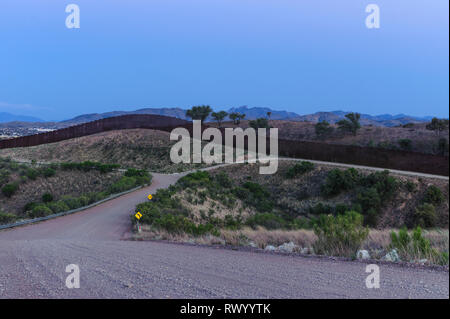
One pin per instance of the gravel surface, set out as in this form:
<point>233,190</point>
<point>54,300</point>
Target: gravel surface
<point>33,261</point>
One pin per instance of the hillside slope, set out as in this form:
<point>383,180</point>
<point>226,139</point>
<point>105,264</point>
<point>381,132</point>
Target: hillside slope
<point>138,148</point>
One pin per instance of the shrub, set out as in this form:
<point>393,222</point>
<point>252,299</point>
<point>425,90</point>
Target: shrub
<point>32,173</point>
<point>350,124</point>
<point>29,206</point>
<point>433,195</point>
<point>425,216</point>
<point>9,189</point>
<point>299,169</point>
<point>47,197</point>
<point>323,129</point>
<point>125,183</point>
<point>416,247</point>
<point>369,198</point>
<point>6,218</point>
<point>411,186</point>
<point>341,235</point>
<point>338,180</point>
<point>58,207</point>
<point>48,172</point>
<point>72,202</point>
<point>40,211</point>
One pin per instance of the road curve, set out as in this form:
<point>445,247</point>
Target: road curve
<point>33,260</point>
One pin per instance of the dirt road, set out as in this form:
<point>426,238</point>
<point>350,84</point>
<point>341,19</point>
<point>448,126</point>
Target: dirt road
<point>33,260</point>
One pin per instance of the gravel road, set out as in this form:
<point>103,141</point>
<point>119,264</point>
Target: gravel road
<point>33,260</point>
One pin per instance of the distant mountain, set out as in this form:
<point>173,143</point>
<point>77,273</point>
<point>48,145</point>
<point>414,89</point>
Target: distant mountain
<point>366,119</point>
<point>387,120</point>
<point>8,117</point>
<point>173,112</point>
<point>256,112</point>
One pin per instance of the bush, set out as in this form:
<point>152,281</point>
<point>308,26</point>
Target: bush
<point>72,202</point>
<point>299,169</point>
<point>40,211</point>
<point>323,129</point>
<point>339,180</point>
<point>47,197</point>
<point>6,218</point>
<point>32,173</point>
<point>48,172</point>
<point>411,186</point>
<point>342,235</point>
<point>433,195</point>
<point>425,216</point>
<point>9,189</point>
<point>415,247</point>
<point>58,207</point>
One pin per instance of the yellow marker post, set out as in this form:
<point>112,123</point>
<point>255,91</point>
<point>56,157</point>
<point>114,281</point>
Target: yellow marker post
<point>150,196</point>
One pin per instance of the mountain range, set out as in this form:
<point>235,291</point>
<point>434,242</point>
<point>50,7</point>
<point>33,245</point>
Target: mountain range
<point>251,113</point>
<point>8,117</point>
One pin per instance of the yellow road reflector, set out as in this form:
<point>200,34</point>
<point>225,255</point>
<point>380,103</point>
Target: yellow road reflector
<point>138,215</point>
<point>150,196</point>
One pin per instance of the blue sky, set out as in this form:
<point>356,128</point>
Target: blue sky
<point>297,55</point>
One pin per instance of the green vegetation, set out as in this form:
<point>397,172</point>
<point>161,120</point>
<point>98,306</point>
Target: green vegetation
<point>342,235</point>
<point>299,169</point>
<point>6,218</point>
<point>199,112</point>
<point>350,124</point>
<point>132,178</point>
<point>219,117</point>
<point>339,180</point>
<point>47,198</point>
<point>9,189</point>
<point>433,195</point>
<point>416,247</point>
<point>323,129</point>
<point>425,215</point>
<point>236,117</point>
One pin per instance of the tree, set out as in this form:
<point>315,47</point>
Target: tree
<point>236,117</point>
<point>437,125</point>
<point>233,117</point>
<point>219,116</point>
<point>351,123</point>
<point>199,112</point>
<point>323,129</point>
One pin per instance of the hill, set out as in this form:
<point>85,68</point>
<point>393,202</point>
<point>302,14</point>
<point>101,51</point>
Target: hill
<point>138,148</point>
<point>8,117</point>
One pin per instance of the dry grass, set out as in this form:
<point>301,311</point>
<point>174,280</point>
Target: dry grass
<point>138,148</point>
<point>377,243</point>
